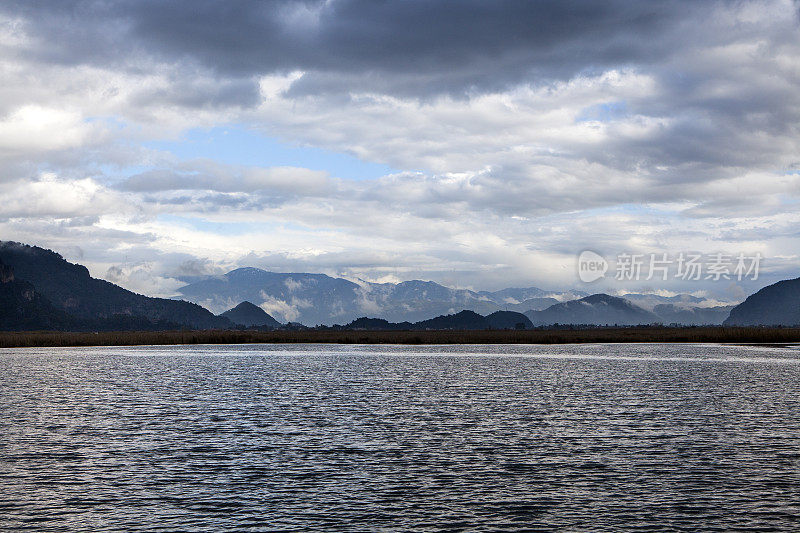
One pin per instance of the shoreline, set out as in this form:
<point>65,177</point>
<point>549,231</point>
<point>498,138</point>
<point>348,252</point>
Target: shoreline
<point>713,334</point>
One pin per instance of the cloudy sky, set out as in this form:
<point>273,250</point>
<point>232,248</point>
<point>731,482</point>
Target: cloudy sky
<point>477,144</point>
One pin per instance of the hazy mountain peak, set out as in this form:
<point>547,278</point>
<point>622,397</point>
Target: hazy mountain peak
<point>320,299</point>
<point>595,309</point>
<point>246,271</point>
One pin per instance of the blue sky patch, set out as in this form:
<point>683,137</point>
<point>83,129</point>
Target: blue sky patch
<point>237,145</point>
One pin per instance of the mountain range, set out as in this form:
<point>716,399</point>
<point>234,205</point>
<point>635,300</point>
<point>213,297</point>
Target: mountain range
<point>39,289</point>
<point>314,299</point>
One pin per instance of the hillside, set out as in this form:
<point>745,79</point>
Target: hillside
<point>463,320</point>
<point>70,288</point>
<point>508,320</point>
<point>775,305</point>
<point>22,308</point>
<point>250,315</point>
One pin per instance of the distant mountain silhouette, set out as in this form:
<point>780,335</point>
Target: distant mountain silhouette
<point>597,309</point>
<point>528,298</point>
<point>69,288</point>
<point>320,299</point>
<point>536,304</point>
<point>774,305</point>
<point>508,320</point>
<point>248,314</point>
<point>683,309</point>
<point>378,324</point>
<point>461,320</point>
<point>648,301</point>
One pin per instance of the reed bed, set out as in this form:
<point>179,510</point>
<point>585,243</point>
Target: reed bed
<point>734,335</point>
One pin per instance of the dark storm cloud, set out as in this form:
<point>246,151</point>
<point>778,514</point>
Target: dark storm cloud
<point>412,47</point>
<point>205,92</point>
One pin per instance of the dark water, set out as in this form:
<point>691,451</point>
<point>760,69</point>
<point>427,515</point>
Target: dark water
<point>592,438</point>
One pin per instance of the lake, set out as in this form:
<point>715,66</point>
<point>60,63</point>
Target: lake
<point>399,438</point>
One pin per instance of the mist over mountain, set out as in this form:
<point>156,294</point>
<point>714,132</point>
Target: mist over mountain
<point>529,298</point>
<point>41,290</point>
<point>649,301</point>
<point>692,316</point>
<point>597,309</point>
<point>313,299</point>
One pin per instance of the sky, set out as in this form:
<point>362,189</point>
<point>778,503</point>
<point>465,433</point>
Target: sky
<point>477,144</point>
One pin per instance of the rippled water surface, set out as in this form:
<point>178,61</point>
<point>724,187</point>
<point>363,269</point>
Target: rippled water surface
<point>360,438</point>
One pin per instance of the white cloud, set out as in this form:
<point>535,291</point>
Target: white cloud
<point>275,86</point>
<point>689,150</point>
<point>210,176</point>
<point>49,196</point>
<point>38,129</point>
<point>141,278</point>
<point>278,309</point>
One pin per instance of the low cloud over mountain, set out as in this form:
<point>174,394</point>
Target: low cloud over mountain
<point>41,290</point>
<point>320,299</point>
<point>597,309</point>
<point>313,299</point>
